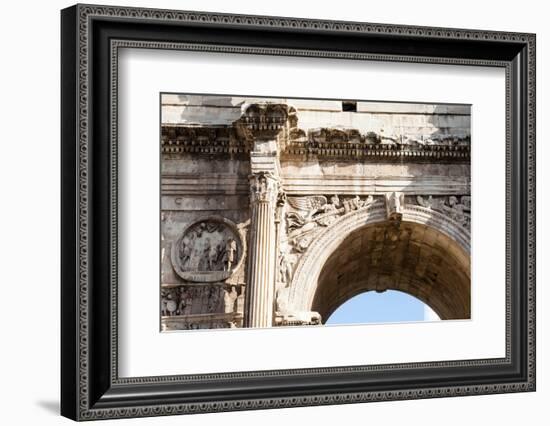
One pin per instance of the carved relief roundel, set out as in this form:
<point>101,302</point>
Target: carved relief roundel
<point>208,250</point>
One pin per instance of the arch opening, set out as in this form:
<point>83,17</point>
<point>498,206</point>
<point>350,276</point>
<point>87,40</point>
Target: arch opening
<point>387,307</point>
<point>410,257</point>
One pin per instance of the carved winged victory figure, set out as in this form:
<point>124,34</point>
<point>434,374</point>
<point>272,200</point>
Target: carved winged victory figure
<point>305,209</point>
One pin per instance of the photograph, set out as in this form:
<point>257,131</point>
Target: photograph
<point>268,209</point>
<point>278,211</point>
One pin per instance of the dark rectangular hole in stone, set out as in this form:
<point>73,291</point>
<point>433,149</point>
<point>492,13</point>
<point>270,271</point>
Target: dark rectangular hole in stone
<point>350,106</point>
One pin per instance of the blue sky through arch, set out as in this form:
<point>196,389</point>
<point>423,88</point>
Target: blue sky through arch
<point>389,306</point>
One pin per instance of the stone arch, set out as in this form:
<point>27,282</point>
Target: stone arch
<point>451,246</point>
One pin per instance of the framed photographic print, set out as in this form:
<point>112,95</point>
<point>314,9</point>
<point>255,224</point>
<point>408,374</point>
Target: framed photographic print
<point>263,212</point>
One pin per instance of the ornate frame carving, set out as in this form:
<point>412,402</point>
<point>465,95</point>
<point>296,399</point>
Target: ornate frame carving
<point>91,388</point>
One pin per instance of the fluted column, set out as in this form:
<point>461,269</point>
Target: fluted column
<point>264,125</point>
<point>262,256</point>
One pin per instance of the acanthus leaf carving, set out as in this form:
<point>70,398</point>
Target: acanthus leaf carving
<point>264,188</point>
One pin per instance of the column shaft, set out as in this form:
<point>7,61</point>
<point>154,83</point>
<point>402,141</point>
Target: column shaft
<point>262,262</point>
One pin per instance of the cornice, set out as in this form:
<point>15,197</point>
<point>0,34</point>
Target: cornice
<point>177,140</point>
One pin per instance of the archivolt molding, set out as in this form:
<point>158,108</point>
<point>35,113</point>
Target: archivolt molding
<point>301,292</point>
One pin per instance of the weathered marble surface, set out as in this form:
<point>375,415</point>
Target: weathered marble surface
<point>371,199</point>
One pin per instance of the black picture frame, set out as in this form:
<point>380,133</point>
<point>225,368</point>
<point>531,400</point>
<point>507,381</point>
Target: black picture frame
<point>90,386</point>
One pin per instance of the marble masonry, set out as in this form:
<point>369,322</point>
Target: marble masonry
<point>274,212</point>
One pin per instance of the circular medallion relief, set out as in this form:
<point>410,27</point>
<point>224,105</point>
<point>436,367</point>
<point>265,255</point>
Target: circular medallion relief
<point>210,249</point>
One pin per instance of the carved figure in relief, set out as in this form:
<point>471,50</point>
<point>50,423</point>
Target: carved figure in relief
<point>316,210</point>
<point>308,211</point>
<point>189,302</point>
<point>263,187</point>
<point>213,253</point>
<point>262,184</point>
<point>208,246</point>
<point>306,208</point>
<point>281,301</point>
<point>229,300</point>
<point>466,200</point>
<point>395,202</point>
<point>229,254</point>
<point>185,302</point>
<point>287,262</point>
<point>163,304</point>
<point>428,203</point>
<point>240,301</point>
<point>204,261</point>
<point>356,203</point>
<point>458,210</point>
<point>169,305</point>
<point>301,244</point>
<point>200,229</point>
<point>456,205</point>
<point>186,249</point>
<point>213,298</point>
<point>334,204</point>
<point>312,212</point>
<point>281,198</point>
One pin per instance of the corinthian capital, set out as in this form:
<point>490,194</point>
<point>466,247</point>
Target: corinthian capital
<point>264,188</point>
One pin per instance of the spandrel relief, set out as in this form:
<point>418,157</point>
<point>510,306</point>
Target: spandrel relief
<point>306,215</point>
<point>456,207</point>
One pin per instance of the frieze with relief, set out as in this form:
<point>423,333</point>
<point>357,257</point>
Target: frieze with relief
<point>193,307</point>
<point>215,298</point>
